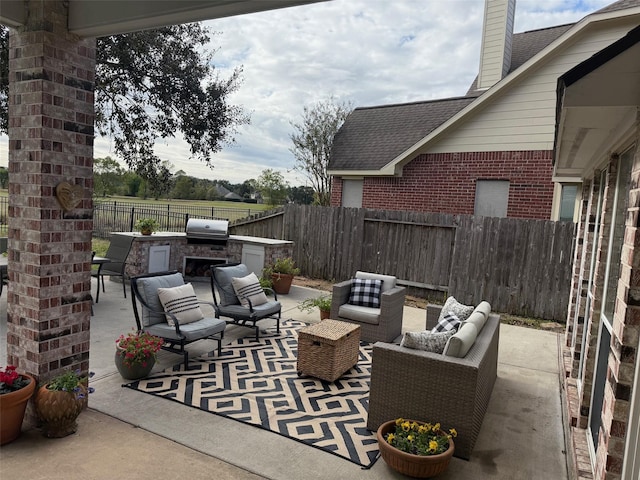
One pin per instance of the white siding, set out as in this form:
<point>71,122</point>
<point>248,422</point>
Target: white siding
<point>495,54</point>
<point>522,117</point>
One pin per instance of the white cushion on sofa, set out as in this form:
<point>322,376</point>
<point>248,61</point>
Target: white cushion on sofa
<point>360,314</point>
<point>460,343</point>
<point>484,308</point>
<point>478,319</point>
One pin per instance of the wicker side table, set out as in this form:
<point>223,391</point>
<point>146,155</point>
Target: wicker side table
<point>326,350</point>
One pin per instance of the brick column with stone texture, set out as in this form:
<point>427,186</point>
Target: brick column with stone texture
<point>51,115</point>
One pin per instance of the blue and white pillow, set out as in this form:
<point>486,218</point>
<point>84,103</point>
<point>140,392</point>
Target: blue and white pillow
<point>449,322</point>
<point>365,292</point>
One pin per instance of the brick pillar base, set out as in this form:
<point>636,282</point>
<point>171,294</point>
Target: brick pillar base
<point>51,114</point>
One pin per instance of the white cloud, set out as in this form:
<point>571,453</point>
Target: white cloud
<point>368,52</point>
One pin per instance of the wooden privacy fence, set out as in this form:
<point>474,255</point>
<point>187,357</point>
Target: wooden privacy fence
<point>522,267</point>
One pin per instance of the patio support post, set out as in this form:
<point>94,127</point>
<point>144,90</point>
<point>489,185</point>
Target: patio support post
<point>51,115</point>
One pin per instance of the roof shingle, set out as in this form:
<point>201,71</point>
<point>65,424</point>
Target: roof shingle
<point>373,136</point>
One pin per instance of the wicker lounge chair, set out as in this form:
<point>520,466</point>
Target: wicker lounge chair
<point>377,324</point>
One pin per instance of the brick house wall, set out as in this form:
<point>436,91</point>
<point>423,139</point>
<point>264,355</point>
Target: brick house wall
<point>625,328</point>
<point>445,183</point>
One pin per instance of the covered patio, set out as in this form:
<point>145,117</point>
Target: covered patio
<point>125,432</point>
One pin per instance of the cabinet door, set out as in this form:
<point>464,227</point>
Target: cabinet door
<point>159,258</point>
<point>253,258</point>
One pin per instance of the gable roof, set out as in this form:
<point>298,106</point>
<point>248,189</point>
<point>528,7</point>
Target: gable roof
<point>370,136</point>
<point>353,155</point>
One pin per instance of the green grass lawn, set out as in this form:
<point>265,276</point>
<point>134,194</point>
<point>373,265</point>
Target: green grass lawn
<point>196,203</point>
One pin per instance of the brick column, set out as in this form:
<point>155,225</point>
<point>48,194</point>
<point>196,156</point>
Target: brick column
<point>51,114</point>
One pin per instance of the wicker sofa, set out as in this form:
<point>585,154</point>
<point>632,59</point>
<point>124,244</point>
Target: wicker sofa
<point>427,386</point>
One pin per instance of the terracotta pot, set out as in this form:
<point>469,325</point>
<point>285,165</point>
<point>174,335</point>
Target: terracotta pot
<point>281,282</point>
<point>324,314</point>
<point>12,408</point>
<point>417,466</point>
<point>145,231</point>
<point>58,410</point>
<point>136,370</point>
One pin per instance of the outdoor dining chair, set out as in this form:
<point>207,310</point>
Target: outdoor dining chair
<point>245,305</point>
<point>169,309</point>
<point>115,262</point>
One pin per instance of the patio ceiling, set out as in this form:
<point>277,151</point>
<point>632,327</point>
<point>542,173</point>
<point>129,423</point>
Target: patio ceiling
<point>597,106</point>
<point>95,18</point>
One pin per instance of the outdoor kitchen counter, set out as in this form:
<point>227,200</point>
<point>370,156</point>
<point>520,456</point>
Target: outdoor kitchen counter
<point>174,251</point>
<point>182,236</point>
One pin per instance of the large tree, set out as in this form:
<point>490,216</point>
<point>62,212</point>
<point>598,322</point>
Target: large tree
<point>154,84</point>
<point>312,143</point>
<point>107,176</point>
<point>272,186</point>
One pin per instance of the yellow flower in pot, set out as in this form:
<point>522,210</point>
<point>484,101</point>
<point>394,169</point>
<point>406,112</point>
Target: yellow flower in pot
<point>417,449</point>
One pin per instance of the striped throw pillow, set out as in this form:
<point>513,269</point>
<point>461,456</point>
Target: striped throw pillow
<point>182,302</point>
<point>248,288</point>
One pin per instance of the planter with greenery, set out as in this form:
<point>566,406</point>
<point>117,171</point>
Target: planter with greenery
<point>416,449</point>
<point>146,226</point>
<point>59,402</point>
<point>323,303</point>
<point>15,391</point>
<point>136,354</point>
<point>281,273</point>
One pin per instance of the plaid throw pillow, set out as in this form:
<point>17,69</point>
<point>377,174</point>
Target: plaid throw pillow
<point>365,292</point>
<point>449,322</point>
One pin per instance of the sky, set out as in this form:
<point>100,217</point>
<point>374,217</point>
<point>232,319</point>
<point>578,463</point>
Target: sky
<point>362,52</point>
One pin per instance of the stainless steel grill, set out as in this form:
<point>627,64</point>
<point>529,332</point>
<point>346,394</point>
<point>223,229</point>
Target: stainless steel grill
<point>204,231</point>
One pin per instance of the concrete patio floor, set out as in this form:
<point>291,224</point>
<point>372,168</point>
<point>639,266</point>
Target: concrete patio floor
<point>128,434</point>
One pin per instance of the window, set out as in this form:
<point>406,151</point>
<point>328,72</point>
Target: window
<point>568,202</point>
<point>492,198</point>
<point>352,193</point>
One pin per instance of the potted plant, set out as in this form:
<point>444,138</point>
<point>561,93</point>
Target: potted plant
<point>146,226</point>
<point>15,391</point>
<point>59,402</point>
<point>281,273</point>
<point>323,303</point>
<point>416,449</point>
<point>136,354</point>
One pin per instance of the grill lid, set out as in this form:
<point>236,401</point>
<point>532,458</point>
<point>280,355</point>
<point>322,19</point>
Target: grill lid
<point>206,229</point>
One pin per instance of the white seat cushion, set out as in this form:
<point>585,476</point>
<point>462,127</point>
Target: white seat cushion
<point>360,314</point>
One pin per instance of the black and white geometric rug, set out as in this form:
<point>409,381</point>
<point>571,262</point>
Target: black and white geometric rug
<point>257,383</point>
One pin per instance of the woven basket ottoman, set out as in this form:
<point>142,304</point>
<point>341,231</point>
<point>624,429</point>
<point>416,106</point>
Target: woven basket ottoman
<point>328,349</point>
